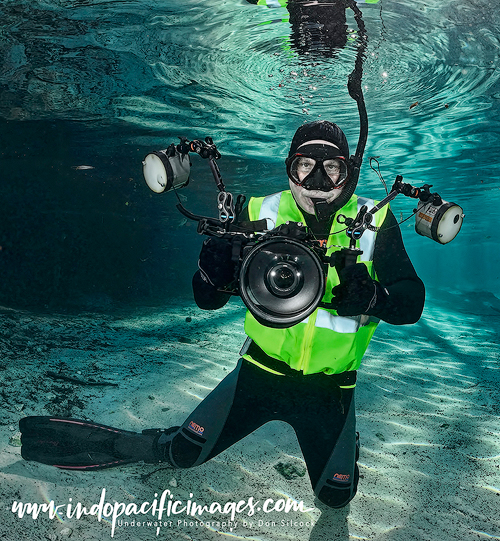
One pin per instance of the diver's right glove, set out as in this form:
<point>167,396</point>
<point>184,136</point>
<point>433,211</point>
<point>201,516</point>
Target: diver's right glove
<point>357,292</point>
<point>215,263</point>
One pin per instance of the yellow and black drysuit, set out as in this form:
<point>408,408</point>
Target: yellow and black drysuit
<point>304,375</point>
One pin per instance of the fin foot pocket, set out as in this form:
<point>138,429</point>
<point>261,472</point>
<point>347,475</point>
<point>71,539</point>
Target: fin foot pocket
<point>76,444</point>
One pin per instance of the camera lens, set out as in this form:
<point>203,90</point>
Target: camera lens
<point>283,279</point>
<point>281,282</point>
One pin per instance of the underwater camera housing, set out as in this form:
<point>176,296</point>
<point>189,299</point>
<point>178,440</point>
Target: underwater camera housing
<point>280,274</point>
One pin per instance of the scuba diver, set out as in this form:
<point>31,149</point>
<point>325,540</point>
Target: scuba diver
<point>305,374</point>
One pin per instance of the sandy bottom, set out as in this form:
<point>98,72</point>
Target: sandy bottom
<point>428,413</point>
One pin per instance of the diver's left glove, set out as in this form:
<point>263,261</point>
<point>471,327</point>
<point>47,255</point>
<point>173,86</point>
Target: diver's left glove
<point>75,444</point>
<point>215,263</point>
<point>357,292</point>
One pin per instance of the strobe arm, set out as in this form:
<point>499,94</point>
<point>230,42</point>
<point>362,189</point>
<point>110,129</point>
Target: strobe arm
<point>208,150</point>
<point>423,194</point>
<point>364,218</point>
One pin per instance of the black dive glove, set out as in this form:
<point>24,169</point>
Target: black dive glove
<point>357,292</point>
<point>215,264</point>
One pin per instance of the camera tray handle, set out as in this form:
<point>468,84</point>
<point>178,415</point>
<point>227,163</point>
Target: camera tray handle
<point>344,258</point>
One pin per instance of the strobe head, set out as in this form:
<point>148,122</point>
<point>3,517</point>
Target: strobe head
<point>440,222</point>
<point>282,282</point>
<point>166,170</point>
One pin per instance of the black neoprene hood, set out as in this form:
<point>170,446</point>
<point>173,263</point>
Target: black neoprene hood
<point>320,130</point>
<point>324,130</point>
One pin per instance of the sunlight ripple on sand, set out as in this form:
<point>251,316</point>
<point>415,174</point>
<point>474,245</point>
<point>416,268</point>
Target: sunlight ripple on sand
<point>485,534</point>
<point>493,489</point>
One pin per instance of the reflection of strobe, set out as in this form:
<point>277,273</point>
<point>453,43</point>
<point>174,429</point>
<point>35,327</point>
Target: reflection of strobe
<point>434,218</point>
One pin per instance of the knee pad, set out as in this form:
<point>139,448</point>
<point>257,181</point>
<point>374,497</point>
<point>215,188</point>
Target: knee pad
<point>184,452</point>
<point>337,495</point>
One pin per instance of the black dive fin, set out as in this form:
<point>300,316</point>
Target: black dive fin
<point>74,444</point>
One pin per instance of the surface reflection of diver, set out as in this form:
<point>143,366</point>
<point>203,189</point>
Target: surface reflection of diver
<point>317,26</point>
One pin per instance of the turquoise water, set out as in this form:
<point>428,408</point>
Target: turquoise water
<point>102,83</point>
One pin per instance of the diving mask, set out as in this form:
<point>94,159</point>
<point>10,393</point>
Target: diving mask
<point>317,167</point>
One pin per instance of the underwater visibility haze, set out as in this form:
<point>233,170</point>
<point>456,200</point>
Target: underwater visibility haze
<point>96,269</point>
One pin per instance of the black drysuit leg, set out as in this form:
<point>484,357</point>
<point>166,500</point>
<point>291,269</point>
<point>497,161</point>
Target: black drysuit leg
<point>321,414</point>
<point>224,417</point>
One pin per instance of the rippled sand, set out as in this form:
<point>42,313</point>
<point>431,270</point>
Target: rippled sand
<point>427,403</point>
